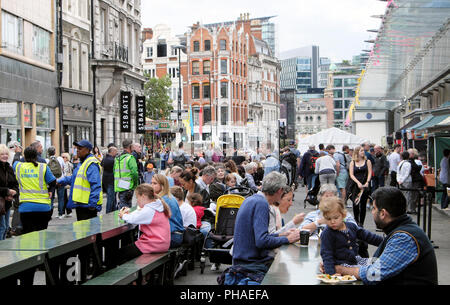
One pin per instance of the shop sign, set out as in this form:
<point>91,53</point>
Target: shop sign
<point>8,110</point>
<point>140,114</point>
<point>125,111</point>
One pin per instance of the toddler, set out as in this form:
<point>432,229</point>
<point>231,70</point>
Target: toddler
<point>196,201</point>
<point>339,239</point>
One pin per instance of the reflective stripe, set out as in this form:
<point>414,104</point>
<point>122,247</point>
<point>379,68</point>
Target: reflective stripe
<point>23,191</point>
<point>123,178</point>
<point>79,187</point>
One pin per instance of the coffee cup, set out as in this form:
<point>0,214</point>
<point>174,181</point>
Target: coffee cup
<point>304,238</point>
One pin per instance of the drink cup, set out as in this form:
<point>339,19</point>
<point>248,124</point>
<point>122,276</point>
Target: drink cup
<point>304,238</point>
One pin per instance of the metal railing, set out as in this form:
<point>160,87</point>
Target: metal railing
<point>120,52</point>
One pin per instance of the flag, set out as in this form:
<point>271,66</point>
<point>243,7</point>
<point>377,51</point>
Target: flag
<point>349,115</point>
<point>200,122</point>
<point>191,120</point>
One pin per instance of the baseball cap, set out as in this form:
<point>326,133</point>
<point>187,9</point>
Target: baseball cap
<point>83,143</point>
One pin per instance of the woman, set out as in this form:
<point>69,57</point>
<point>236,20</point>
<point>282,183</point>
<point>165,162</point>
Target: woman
<point>230,165</point>
<point>97,153</point>
<point>174,175</point>
<point>358,189</point>
<point>187,180</point>
<point>8,189</point>
<point>37,185</point>
<point>67,172</point>
<point>220,173</point>
<point>161,187</point>
<point>282,207</point>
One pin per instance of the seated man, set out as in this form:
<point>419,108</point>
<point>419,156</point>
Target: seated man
<point>252,241</point>
<point>406,256</point>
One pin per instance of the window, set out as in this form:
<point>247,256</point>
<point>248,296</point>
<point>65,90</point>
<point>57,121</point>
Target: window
<point>12,33</point>
<point>349,93</point>
<point>224,89</point>
<point>207,45</point>
<point>350,82</point>
<point>337,82</point>
<point>338,115</point>
<point>206,67</point>
<point>337,93</point>
<point>223,45</point>
<point>347,103</point>
<point>149,52</point>
<point>195,91</point>
<point>174,51</point>
<point>337,104</point>
<point>206,114</point>
<point>223,66</point>
<point>223,115</point>
<point>195,67</point>
<point>196,46</point>
<point>104,25</point>
<point>161,50</point>
<point>41,45</point>
<point>206,90</point>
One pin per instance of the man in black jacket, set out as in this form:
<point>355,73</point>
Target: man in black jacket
<point>108,179</point>
<point>380,169</point>
<point>137,154</point>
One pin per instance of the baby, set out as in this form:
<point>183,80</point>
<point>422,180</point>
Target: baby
<point>339,239</point>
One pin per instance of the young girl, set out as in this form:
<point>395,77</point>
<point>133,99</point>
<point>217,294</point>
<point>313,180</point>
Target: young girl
<point>153,220</point>
<point>230,182</point>
<point>187,211</point>
<point>196,201</point>
<point>338,241</point>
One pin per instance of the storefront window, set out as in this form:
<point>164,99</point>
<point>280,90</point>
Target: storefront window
<point>10,134</point>
<point>45,139</point>
<point>42,116</point>
<point>27,117</point>
<point>13,119</point>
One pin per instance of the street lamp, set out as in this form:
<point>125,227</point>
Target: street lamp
<point>179,48</point>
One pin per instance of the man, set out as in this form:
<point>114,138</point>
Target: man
<point>178,158</point>
<point>250,169</point>
<point>15,152</point>
<point>417,181</point>
<point>86,195</point>
<point>56,165</point>
<point>207,177</point>
<point>209,153</point>
<point>366,147</point>
<point>307,166</point>
<point>322,150</point>
<point>15,155</point>
<point>38,146</point>
<point>380,168</point>
<point>137,154</point>
<point>443,178</point>
<point>298,155</point>
<point>252,241</point>
<point>406,256</point>
<point>342,175</point>
<point>394,160</point>
<point>404,177</point>
<point>271,164</point>
<point>108,179</point>
<point>126,176</point>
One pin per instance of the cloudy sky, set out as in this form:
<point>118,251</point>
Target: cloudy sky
<point>338,27</point>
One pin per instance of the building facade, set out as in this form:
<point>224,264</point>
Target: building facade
<point>28,79</point>
<point>116,67</point>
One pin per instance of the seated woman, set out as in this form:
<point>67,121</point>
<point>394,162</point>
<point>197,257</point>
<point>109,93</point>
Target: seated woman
<point>276,223</point>
<point>153,220</point>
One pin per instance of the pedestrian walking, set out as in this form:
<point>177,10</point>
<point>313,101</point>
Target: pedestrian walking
<point>326,167</point>
<point>136,151</point>
<point>67,172</point>
<point>380,168</point>
<point>9,187</point>
<point>126,176</point>
<point>308,166</point>
<point>443,177</point>
<point>56,165</point>
<point>404,179</point>
<point>108,179</point>
<point>342,177</point>
<point>86,194</point>
<point>36,186</point>
<point>394,160</point>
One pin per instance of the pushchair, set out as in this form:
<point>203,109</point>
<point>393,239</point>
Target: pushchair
<point>220,238</point>
<point>311,195</point>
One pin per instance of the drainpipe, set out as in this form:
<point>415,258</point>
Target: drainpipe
<point>94,81</point>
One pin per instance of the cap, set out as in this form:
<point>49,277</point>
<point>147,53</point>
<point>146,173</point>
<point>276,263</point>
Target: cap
<point>83,143</point>
<point>150,165</point>
<point>292,142</point>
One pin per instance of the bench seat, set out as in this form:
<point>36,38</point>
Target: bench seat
<point>131,271</point>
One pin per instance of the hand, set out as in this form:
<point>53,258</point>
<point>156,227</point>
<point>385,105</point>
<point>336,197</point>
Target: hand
<point>366,185</point>
<point>321,269</point>
<point>360,185</point>
<point>293,236</point>
<point>50,194</point>
<point>299,218</point>
<point>9,198</point>
<point>12,193</point>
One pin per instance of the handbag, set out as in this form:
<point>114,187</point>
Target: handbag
<point>191,235</point>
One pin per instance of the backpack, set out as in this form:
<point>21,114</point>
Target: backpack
<point>415,172</point>
<point>313,160</point>
<point>55,167</point>
<point>179,159</point>
<point>345,159</point>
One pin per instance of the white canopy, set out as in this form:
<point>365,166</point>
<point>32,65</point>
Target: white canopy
<point>334,136</point>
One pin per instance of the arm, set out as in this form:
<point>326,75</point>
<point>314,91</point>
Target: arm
<point>132,164</point>
<point>369,237</point>
<point>316,170</point>
<point>338,167</point>
<point>140,217</point>
<point>263,240</point>
<point>369,173</point>
<point>95,180</point>
<point>327,251</point>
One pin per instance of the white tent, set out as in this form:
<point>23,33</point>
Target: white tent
<point>333,136</point>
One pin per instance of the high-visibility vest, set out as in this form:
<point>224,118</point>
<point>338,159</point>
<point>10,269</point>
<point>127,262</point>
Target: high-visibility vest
<point>81,186</point>
<point>122,172</point>
<point>32,185</point>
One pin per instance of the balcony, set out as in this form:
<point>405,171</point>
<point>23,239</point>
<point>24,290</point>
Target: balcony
<point>113,55</point>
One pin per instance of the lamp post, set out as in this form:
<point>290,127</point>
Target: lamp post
<point>179,48</point>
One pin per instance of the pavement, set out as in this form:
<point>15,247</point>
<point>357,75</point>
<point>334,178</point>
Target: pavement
<point>439,235</point>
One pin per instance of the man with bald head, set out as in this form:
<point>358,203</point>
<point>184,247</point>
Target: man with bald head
<point>380,168</point>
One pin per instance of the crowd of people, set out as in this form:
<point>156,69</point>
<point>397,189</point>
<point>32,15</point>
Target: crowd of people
<point>178,190</point>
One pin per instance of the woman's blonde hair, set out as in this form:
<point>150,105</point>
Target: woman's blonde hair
<point>4,149</point>
<point>66,155</point>
<point>147,190</point>
<point>162,180</point>
<point>331,204</point>
<point>356,151</point>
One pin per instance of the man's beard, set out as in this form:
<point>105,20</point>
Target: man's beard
<point>378,223</point>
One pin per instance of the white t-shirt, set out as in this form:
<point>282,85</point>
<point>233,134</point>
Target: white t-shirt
<point>188,214</point>
<point>394,160</point>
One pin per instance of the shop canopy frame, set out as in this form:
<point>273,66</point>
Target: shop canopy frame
<point>411,51</point>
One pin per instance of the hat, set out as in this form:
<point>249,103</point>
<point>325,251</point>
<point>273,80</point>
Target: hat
<point>83,143</point>
<point>292,142</point>
<point>150,165</point>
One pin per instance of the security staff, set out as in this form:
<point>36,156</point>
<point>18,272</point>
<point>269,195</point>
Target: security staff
<point>126,176</point>
<point>36,186</point>
<point>86,195</point>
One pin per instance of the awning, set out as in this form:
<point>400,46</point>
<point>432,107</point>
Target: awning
<point>411,123</point>
<point>421,123</point>
<point>430,121</point>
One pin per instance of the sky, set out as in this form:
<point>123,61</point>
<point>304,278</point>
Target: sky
<point>338,27</point>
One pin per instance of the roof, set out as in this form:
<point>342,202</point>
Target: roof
<point>411,123</point>
<point>430,121</point>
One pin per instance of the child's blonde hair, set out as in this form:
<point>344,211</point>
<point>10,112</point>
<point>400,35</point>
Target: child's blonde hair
<point>331,204</point>
<point>147,190</point>
<point>230,177</point>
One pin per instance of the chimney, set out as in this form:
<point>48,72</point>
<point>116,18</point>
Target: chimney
<point>147,33</point>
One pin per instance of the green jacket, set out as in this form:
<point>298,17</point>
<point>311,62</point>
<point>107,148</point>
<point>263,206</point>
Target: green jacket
<point>125,168</point>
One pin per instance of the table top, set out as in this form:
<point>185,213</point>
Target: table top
<point>12,262</point>
<point>55,243</point>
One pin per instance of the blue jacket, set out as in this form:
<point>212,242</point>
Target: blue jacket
<point>252,240</point>
<point>95,180</point>
<point>338,247</point>
<point>176,220</point>
<point>271,165</point>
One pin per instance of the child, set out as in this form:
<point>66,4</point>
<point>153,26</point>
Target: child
<point>339,239</point>
<point>196,201</point>
<point>148,175</point>
<point>187,211</point>
<point>153,220</point>
<point>230,181</point>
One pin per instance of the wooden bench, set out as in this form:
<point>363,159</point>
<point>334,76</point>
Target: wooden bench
<point>134,270</point>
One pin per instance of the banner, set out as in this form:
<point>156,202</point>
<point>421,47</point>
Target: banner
<point>200,119</point>
<point>140,114</point>
<point>125,110</point>
<point>191,120</point>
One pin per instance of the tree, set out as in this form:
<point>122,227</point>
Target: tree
<point>157,100</point>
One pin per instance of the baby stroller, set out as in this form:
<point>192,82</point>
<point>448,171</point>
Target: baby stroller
<point>221,236</point>
<point>311,196</point>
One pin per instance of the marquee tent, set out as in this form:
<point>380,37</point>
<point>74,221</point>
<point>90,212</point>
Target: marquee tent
<point>333,136</point>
